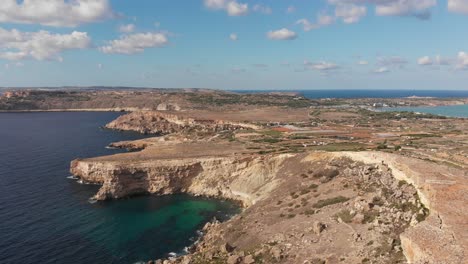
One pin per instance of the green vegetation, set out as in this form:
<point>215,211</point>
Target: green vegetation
<point>369,216</point>
<point>345,146</point>
<point>344,215</point>
<point>330,201</point>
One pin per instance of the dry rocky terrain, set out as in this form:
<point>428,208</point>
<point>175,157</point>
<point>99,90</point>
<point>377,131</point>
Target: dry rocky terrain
<point>320,181</point>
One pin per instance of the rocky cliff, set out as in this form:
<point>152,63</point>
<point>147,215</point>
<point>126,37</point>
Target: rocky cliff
<point>243,178</point>
<point>154,122</point>
<point>359,206</point>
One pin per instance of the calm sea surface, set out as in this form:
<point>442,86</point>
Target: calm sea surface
<point>317,94</point>
<point>449,110</point>
<point>46,218</point>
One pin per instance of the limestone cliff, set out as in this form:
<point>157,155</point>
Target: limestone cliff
<point>243,178</point>
<point>382,204</point>
<point>154,122</point>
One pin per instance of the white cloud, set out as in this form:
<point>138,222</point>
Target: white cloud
<point>439,60</point>
<point>215,4</point>
<point>291,9</point>
<point>262,9</point>
<point>395,62</point>
<point>41,45</point>
<point>417,8</point>
<point>232,7</point>
<point>322,20</point>
<point>282,34</point>
<point>458,6</point>
<point>350,13</point>
<point>425,61</point>
<point>362,62</point>
<point>233,37</point>
<point>321,65</point>
<point>237,9</point>
<point>57,13</point>
<point>129,28</point>
<point>462,61</point>
<point>381,70</point>
<point>135,43</point>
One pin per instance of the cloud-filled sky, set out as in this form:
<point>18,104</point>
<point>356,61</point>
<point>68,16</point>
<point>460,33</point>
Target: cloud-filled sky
<point>236,44</point>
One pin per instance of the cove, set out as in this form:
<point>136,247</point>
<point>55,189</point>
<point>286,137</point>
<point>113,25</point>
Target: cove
<point>46,217</point>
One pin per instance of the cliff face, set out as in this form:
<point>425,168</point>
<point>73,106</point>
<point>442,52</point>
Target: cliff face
<point>282,193</point>
<point>153,122</point>
<point>245,179</point>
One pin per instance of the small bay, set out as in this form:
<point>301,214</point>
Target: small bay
<point>46,217</point>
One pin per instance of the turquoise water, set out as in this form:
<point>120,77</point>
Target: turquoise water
<point>450,110</point>
<point>46,217</point>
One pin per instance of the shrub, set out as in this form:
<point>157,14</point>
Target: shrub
<point>330,201</point>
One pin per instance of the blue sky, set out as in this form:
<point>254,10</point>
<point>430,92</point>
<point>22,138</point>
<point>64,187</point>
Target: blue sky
<point>236,44</point>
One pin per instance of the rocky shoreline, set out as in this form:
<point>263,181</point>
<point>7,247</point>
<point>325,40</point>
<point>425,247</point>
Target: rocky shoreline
<point>299,206</point>
<point>251,180</point>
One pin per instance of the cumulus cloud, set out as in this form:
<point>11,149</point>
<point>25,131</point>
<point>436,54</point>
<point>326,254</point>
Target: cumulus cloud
<point>232,7</point>
<point>425,61</point>
<point>282,34</point>
<point>262,9</point>
<point>381,70</point>
<point>417,8</point>
<point>41,45</point>
<point>233,37</point>
<point>57,13</point>
<point>437,60</point>
<point>392,62</point>
<point>135,43</point>
<point>458,6</point>
<point>362,62</point>
<point>322,20</point>
<point>462,61</point>
<point>321,66</point>
<point>350,13</point>
<point>129,28</point>
<point>290,9</point>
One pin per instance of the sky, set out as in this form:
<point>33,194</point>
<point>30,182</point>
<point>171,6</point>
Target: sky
<point>235,44</point>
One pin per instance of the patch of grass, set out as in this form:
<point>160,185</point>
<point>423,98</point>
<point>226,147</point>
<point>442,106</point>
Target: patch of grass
<point>330,201</point>
<point>317,261</point>
<point>369,216</point>
<point>401,183</point>
<point>344,215</point>
<point>271,133</point>
<point>309,212</point>
<point>345,146</point>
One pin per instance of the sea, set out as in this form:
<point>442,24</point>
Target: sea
<point>45,216</point>
<point>343,93</point>
<point>449,111</point>
<point>446,110</point>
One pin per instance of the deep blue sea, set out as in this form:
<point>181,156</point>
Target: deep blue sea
<point>317,94</point>
<point>46,217</point>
